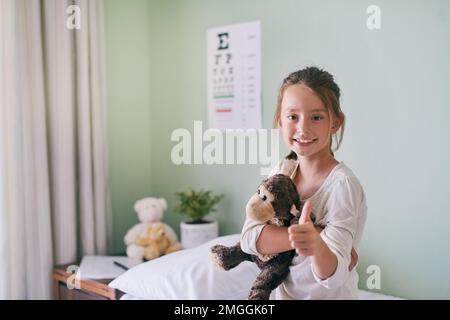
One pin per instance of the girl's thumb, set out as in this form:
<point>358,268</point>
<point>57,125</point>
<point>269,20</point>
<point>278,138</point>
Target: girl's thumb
<point>306,212</point>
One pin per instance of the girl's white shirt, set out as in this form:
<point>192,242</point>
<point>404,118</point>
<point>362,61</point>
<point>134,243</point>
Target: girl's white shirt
<point>339,205</point>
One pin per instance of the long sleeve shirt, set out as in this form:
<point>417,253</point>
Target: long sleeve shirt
<point>339,206</point>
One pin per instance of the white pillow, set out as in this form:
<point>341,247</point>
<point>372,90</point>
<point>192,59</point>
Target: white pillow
<point>189,274</point>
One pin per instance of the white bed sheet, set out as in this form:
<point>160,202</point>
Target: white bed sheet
<point>190,274</point>
<point>363,295</point>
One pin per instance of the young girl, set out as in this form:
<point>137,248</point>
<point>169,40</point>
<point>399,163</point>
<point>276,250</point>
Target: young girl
<point>309,114</point>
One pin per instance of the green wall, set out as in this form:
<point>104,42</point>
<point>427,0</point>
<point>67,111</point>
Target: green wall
<point>129,109</point>
<point>395,92</point>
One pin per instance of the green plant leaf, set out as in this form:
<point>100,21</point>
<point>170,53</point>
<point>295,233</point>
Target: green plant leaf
<point>196,204</point>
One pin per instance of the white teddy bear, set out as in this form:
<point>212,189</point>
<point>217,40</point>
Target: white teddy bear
<point>149,211</point>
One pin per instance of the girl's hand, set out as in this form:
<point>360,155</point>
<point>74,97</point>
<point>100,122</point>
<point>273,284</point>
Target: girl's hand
<point>304,237</point>
<point>354,259</point>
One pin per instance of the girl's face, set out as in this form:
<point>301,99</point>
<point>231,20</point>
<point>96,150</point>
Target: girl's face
<point>305,122</point>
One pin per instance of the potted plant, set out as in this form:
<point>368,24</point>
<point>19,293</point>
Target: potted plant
<point>196,205</point>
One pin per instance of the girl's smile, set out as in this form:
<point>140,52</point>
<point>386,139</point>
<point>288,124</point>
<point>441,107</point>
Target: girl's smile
<point>304,143</point>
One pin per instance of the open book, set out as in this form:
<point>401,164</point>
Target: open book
<point>104,267</point>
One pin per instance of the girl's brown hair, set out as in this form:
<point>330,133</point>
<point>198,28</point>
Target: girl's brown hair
<point>324,86</point>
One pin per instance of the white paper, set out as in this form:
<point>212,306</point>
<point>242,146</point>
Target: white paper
<point>234,76</point>
<point>103,267</point>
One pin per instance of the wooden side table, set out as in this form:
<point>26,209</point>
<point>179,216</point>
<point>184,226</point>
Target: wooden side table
<point>88,289</point>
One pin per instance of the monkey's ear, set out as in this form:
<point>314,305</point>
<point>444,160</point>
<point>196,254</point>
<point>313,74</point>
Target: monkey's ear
<point>294,210</point>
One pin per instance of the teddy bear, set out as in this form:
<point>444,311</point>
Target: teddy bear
<point>156,242</point>
<point>277,202</point>
<point>150,238</point>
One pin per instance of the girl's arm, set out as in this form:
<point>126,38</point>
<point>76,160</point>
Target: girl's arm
<point>324,262</point>
<point>274,239</point>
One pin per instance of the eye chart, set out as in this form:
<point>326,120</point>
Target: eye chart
<point>234,76</point>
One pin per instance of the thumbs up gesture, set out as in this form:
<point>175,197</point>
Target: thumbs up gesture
<point>304,237</point>
<point>306,213</point>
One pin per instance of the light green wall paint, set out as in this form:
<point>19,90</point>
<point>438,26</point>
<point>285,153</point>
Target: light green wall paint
<point>395,92</point>
<point>128,94</point>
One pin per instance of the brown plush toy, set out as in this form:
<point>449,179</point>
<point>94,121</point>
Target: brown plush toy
<point>276,202</point>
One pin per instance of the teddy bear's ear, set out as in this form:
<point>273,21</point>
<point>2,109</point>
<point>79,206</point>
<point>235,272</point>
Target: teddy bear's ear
<point>138,205</point>
<point>163,203</point>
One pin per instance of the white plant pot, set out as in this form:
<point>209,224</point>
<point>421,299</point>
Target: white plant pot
<point>193,235</point>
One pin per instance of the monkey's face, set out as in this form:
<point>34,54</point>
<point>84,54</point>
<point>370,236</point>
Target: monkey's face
<point>259,207</point>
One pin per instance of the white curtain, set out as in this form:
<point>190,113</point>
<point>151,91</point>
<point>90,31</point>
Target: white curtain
<point>54,195</point>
